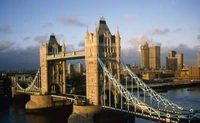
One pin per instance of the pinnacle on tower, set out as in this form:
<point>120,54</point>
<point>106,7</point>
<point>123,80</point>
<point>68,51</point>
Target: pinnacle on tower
<point>102,18</point>
<point>63,47</point>
<point>95,30</point>
<point>87,33</point>
<point>117,33</point>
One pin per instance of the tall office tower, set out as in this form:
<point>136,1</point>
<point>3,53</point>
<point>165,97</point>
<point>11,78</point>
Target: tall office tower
<point>179,61</point>
<point>70,70</point>
<point>144,55</point>
<point>174,61</point>
<point>79,68</point>
<point>171,63</point>
<point>172,53</point>
<point>154,57</point>
<point>198,59</point>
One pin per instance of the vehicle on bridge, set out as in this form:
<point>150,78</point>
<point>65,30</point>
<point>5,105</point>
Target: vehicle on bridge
<point>141,105</point>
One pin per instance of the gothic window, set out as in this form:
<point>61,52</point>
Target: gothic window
<point>90,52</point>
<point>113,50</point>
<point>106,40</point>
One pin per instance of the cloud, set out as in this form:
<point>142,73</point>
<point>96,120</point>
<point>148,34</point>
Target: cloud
<point>198,37</point>
<point>60,37</point>
<point>70,47</point>
<point>5,29</point>
<point>159,31</point>
<point>178,30</point>
<point>142,39</point>
<point>128,57</point>
<point>127,17</point>
<point>20,58</point>
<point>81,43</point>
<point>138,40</point>
<point>27,38</point>
<point>5,45</point>
<point>47,25</point>
<point>163,31</point>
<point>70,21</point>
<point>41,38</point>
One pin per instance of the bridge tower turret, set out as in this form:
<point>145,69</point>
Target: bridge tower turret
<point>118,52</point>
<point>91,54</point>
<point>106,46</point>
<point>43,68</point>
<point>53,78</point>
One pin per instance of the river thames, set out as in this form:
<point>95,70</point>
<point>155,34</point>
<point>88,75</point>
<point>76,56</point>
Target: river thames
<point>14,112</point>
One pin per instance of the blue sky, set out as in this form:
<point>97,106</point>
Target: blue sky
<point>24,24</point>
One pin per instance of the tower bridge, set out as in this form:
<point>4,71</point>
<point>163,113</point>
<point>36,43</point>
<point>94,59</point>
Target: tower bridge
<point>102,56</point>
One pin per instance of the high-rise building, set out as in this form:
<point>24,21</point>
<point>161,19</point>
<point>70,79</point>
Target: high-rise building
<point>70,70</point>
<point>79,68</point>
<point>171,63</point>
<point>150,56</point>
<point>179,61</point>
<point>172,53</point>
<point>144,55</point>
<point>198,59</point>
<point>154,57</point>
<point>174,61</point>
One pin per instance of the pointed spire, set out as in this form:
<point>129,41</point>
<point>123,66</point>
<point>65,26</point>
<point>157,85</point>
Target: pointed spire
<point>117,33</point>
<point>95,29</point>
<point>102,18</point>
<point>63,47</point>
<point>87,33</point>
<point>63,43</point>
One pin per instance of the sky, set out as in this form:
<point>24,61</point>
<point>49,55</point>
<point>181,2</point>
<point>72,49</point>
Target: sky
<point>25,24</point>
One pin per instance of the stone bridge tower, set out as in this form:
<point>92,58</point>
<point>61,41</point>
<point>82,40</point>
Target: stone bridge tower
<point>106,46</point>
<point>53,78</point>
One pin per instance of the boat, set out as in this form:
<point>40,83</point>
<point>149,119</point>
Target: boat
<point>195,80</point>
<point>161,90</point>
<point>142,95</point>
<point>190,89</point>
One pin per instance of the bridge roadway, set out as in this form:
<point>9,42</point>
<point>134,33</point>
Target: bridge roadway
<point>67,56</point>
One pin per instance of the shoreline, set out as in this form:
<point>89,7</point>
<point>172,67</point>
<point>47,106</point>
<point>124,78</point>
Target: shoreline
<point>168,85</point>
<point>174,84</point>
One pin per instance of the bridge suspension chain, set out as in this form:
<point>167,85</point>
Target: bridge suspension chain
<point>153,94</point>
<point>32,85</point>
<point>127,95</point>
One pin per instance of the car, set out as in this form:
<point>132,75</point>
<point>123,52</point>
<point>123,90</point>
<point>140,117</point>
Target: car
<point>143,106</point>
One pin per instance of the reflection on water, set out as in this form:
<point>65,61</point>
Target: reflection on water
<point>14,112</point>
